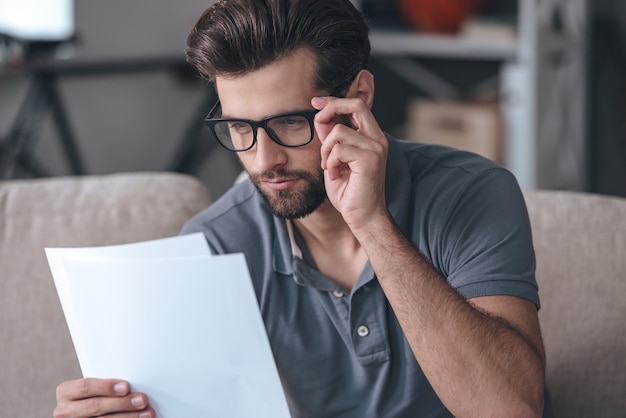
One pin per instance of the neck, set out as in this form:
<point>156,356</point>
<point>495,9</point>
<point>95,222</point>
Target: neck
<point>335,250</point>
<point>325,225</point>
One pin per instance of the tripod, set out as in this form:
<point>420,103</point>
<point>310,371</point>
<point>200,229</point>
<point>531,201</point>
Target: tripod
<point>17,147</point>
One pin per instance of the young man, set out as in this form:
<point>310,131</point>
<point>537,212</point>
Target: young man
<point>395,279</point>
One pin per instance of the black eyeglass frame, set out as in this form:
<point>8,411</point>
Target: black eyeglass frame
<point>256,124</point>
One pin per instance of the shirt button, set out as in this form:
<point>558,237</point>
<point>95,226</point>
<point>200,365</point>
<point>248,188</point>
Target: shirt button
<point>363,331</point>
<point>337,293</point>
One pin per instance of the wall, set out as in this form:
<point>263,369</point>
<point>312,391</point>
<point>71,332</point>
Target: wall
<point>137,121</point>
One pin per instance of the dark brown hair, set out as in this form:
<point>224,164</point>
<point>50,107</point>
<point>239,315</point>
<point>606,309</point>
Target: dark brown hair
<point>233,37</point>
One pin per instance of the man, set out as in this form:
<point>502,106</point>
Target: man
<point>395,279</point>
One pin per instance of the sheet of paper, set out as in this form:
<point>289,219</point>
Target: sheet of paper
<point>181,246</point>
<point>187,331</point>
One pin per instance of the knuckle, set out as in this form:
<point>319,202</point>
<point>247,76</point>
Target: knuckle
<point>59,412</point>
<point>83,388</point>
<point>60,391</point>
<point>360,103</point>
<point>94,406</point>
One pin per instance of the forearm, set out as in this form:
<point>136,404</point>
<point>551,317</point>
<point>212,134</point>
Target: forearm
<point>478,364</point>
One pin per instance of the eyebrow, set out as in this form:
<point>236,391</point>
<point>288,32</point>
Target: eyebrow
<point>269,117</point>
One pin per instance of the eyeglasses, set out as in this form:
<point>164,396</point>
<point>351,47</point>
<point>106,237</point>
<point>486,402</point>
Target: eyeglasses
<point>294,129</point>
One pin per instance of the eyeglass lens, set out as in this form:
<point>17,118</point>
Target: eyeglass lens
<point>290,130</point>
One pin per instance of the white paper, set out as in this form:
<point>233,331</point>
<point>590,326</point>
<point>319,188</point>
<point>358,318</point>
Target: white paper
<point>186,330</point>
<point>182,246</point>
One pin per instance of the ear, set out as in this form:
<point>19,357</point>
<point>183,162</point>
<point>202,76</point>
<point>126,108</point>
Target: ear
<point>363,87</point>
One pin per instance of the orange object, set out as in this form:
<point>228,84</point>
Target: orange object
<point>439,16</point>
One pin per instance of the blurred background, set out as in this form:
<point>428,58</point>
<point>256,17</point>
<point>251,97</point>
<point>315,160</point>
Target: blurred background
<point>536,85</point>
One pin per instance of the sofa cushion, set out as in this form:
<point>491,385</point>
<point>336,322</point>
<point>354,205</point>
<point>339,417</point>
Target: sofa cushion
<point>580,245</point>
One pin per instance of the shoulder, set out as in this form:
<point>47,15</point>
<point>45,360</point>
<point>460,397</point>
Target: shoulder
<point>457,186</point>
<point>429,159</point>
<point>236,200</point>
<point>439,176</point>
<point>469,218</point>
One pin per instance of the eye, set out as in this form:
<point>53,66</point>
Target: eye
<point>290,122</point>
<point>239,127</point>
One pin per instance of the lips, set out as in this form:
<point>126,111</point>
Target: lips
<point>278,185</point>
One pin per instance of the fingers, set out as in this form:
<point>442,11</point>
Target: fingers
<point>95,397</point>
<point>360,149</point>
<point>363,132</point>
<point>355,110</point>
<point>344,147</point>
<point>90,387</point>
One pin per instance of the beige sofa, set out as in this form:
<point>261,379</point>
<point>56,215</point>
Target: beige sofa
<point>580,244</point>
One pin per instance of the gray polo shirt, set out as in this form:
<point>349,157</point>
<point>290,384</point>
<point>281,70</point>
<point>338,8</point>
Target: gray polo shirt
<point>343,354</point>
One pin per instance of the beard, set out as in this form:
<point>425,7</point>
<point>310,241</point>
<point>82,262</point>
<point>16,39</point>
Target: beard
<point>293,204</point>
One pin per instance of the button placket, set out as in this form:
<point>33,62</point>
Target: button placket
<point>368,333</point>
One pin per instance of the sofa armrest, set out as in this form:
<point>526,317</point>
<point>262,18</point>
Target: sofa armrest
<point>580,246</point>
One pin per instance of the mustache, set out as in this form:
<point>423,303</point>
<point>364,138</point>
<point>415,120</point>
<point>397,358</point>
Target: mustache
<point>280,173</point>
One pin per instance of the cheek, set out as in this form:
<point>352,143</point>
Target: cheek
<point>306,158</point>
<point>311,160</point>
<point>246,160</point>
<point>314,150</point>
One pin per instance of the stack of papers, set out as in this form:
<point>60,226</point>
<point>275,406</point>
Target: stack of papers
<point>179,324</point>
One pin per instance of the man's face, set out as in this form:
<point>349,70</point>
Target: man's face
<point>290,179</point>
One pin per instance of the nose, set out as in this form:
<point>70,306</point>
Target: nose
<point>269,155</point>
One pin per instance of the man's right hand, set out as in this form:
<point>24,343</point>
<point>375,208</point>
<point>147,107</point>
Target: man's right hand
<point>90,397</point>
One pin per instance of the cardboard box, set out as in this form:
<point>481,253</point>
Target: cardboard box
<point>475,127</point>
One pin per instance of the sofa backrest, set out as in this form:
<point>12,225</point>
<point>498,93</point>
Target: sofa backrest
<point>36,349</point>
<point>580,246</point>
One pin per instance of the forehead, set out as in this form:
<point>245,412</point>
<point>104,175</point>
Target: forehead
<point>282,86</point>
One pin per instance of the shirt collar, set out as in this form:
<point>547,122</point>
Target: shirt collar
<point>283,250</point>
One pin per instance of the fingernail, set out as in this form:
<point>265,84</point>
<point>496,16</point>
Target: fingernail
<point>138,401</point>
<point>319,99</point>
<point>120,388</point>
<point>145,415</point>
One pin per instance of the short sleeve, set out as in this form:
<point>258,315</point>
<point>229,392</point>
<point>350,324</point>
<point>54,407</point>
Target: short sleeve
<point>488,241</point>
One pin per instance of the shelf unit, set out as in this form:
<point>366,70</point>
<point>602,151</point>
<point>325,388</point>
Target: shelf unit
<point>542,78</point>
<point>403,43</point>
